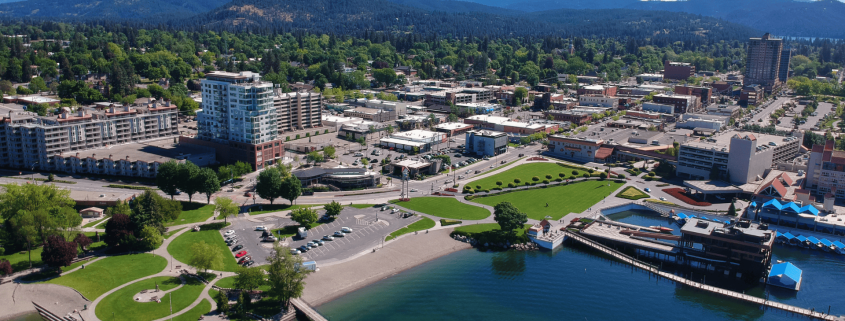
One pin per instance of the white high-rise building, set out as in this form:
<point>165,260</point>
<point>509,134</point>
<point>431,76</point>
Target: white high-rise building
<point>237,107</point>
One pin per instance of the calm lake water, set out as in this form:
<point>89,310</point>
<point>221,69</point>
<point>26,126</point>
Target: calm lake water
<point>576,284</point>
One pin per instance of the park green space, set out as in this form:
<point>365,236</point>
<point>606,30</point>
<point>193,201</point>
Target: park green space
<point>632,193</point>
<point>180,248</point>
<point>423,224</point>
<point>445,207</point>
<point>195,313</point>
<point>122,305</point>
<point>525,172</point>
<point>168,234</point>
<point>20,260</point>
<point>95,222</point>
<point>193,213</point>
<point>229,283</point>
<point>486,227</point>
<point>271,208</point>
<point>362,206</point>
<point>106,274</point>
<point>562,200</point>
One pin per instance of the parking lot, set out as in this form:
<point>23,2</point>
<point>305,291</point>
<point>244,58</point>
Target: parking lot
<point>367,233</point>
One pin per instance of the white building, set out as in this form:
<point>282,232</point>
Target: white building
<point>237,107</point>
<point>693,121</point>
<point>422,139</point>
<point>651,77</point>
<point>598,101</point>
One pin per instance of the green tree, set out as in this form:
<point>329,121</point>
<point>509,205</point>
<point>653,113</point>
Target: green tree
<point>150,209</point>
<point>305,216</point>
<point>222,301</point>
<point>509,217</point>
<point>385,76</point>
<point>205,256</point>
<point>225,207</point>
<point>333,209</point>
<point>291,189</point>
<point>149,239</point>
<point>328,152</point>
<point>519,95</point>
<point>732,210</point>
<point>269,185</point>
<point>120,207</point>
<point>314,157</point>
<point>286,278</point>
<point>187,179</point>
<point>167,179</point>
<point>40,207</point>
<point>208,183</point>
<point>249,279</point>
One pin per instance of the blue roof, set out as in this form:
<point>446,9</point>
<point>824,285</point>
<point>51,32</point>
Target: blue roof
<point>788,236</point>
<point>753,204</point>
<point>825,242</point>
<point>838,244</point>
<point>704,218</point>
<point>801,238</point>
<point>786,269</point>
<point>778,234</point>
<point>813,240</point>
<point>692,216</point>
<point>810,209</point>
<point>773,203</point>
<point>682,215</point>
<point>717,221</point>
<point>791,207</point>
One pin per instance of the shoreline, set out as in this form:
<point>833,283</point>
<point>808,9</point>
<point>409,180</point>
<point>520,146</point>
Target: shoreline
<point>337,280</point>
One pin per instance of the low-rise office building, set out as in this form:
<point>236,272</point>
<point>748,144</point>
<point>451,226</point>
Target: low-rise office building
<point>659,108</point>
<point>598,101</point>
<point>371,114</point>
<point>704,93</point>
<point>368,130</point>
<point>598,90</point>
<point>677,70</point>
<point>452,129</point>
<point>504,124</point>
<point>486,143</point>
<point>576,117</point>
<point>342,178</point>
<point>694,121</point>
<point>422,140</point>
<point>578,149</point>
<point>683,103</point>
<point>731,111</point>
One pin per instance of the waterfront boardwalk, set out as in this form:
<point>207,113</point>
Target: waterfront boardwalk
<point>306,309</point>
<point>653,269</point>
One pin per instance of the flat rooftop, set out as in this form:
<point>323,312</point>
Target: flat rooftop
<point>452,126</point>
<point>161,150</point>
<point>402,142</point>
<point>723,140</point>
<point>714,228</point>
<point>612,231</point>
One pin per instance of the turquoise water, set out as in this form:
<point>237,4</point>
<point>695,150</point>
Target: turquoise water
<point>574,284</point>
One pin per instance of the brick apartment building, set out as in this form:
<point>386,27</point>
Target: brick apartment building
<point>677,70</point>
<point>703,92</point>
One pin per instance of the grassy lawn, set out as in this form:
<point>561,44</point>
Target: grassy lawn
<point>20,260</point>
<point>168,234</point>
<point>229,283</point>
<point>525,172</point>
<point>180,248</point>
<point>632,193</point>
<point>562,200</point>
<point>75,265</point>
<point>423,224</point>
<point>195,313</point>
<point>479,228</point>
<point>264,209</point>
<point>108,273</point>
<point>93,223</point>
<point>193,213</point>
<point>290,230</point>
<point>445,207</point>
<point>123,306</point>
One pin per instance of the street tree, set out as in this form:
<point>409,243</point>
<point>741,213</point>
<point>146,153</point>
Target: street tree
<point>149,239</point>
<point>120,207</point>
<point>205,256</point>
<point>269,184</point>
<point>305,216</point>
<point>58,252</point>
<point>328,152</point>
<point>167,179</point>
<point>5,267</point>
<point>208,183</point>
<point>291,189</point>
<point>509,217</point>
<point>151,209</point>
<point>286,278</point>
<point>333,209</point>
<point>225,207</point>
<point>187,182</point>
<point>249,279</point>
<point>83,241</point>
<point>24,223</point>
<point>314,157</point>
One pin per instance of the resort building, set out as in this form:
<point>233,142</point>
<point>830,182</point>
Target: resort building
<point>826,171</point>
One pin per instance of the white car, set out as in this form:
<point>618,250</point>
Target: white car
<point>230,232</point>
<point>295,251</point>
<point>346,230</point>
<point>413,190</point>
<point>395,210</point>
<point>260,228</point>
<point>662,198</point>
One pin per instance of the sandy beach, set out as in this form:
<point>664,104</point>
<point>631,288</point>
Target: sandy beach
<point>16,299</point>
<point>336,280</point>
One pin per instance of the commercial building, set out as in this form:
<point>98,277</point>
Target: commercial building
<point>486,143</point>
<point>699,121</point>
<point>651,77</point>
<point>504,124</point>
<point>600,90</point>
<point>762,65</point>
<point>677,70</point>
<point>554,101</point>
<point>750,94</point>
<point>826,171</point>
<point>343,178</point>
<point>576,117</point>
<point>683,103</point>
<point>659,108</point>
<point>724,110</point>
<point>452,129</point>
<point>423,140</point>
<point>598,101</point>
<point>371,114</point>
<point>742,247</point>
<point>578,149</point>
<point>744,156</point>
<point>704,93</point>
<point>399,107</point>
<point>368,130</point>
<point>783,70</point>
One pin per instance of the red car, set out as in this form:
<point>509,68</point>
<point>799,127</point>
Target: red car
<point>244,259</point>
<point>240,254</point>
<point>247,194</point>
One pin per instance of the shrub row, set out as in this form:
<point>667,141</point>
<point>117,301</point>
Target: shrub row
<point>447,222</point>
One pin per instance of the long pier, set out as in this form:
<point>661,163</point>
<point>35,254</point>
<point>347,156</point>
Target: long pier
<point>736,295</point>
<point>306,309</point>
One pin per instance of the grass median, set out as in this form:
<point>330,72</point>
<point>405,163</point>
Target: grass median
<point>180,248</point>
<point>561,200</point>
<point>423,224</point>
<point>195,313</point>
<point>445,207</point>
<point>122,305</point>
<point>525,173</point>
<point>106,274</point>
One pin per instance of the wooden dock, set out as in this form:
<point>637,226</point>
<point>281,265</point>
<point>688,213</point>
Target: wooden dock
<point>654,270</point>
<point>306,309</point>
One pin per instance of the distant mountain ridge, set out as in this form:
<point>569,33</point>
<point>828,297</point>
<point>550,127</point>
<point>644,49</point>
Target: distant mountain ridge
<point>108,9</point>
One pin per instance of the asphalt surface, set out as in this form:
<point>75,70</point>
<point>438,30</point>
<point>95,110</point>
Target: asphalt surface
<point>813,121</point>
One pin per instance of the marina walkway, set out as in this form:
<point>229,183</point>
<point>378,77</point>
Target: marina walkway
<point>654,270</point>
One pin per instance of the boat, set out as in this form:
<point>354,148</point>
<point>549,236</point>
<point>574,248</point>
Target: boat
<point>661,228</point>
<point>813,242</point>
<point>802,241</point>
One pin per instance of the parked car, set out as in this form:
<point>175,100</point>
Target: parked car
<point>230,232</point>
<point>236,248</point>
<point>395,210</point>
<point>260,228</point>
<point>244,259</point>
<point>346,230</point>
<point>318,242</point>
<point>328,238</point>
<point>240,254</point>
<point>295,251</point>
<point>304,249</point>
<point>247,194</point>
<point>338,234</point>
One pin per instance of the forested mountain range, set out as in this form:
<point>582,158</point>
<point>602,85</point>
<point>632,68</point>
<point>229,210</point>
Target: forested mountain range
<point>160,10</point>
<point>823,18</point>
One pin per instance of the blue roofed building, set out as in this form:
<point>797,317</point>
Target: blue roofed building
<point>785,275</point>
